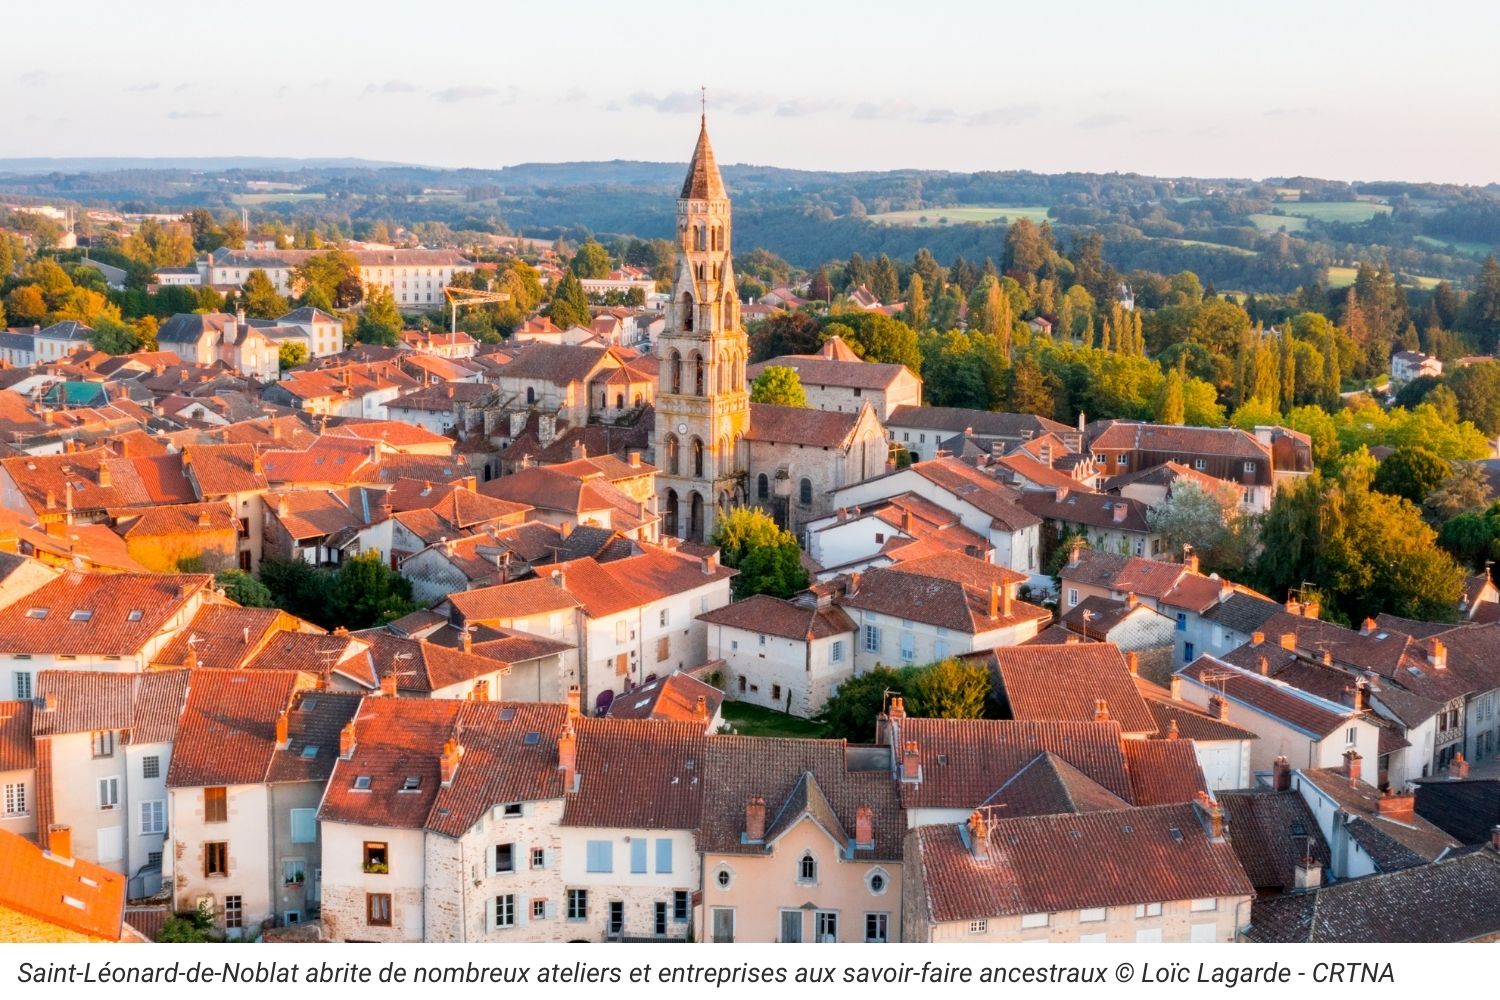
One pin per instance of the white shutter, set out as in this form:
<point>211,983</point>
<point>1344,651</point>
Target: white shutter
<point>522,909</point>
<point>551,909</point>
<point>489,860</point>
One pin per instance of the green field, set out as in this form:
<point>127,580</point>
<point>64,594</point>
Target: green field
<point>273,197</point>
<point>1472,249</point>
<point>1343,277</point>
<point>1337,211</point>
<point>1217,246</point>
<point>961,213</point>
<point>1268,223</point>
<point>752,720</point>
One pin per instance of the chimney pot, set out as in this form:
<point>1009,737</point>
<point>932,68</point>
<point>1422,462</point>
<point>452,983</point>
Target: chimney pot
<point>755,819</point>
<point>1175,687</point>
<point>1438,654</point>
<point>864,826</point>
<point>575,701</point>
<point>346,740</point>
<point>1218,707</point>
<point>1101,710</point>
<point>282,731</point>
<point>1288,640</point>
<point>911,761</point>
<point>1131,600</point>
<point>979,836</point>
<point>1133,663</point>
<point>1367,626</point>
<point>1307,873</point>
<point>1281,774</point>
<point>567,755</point>
<point>452,753</point>
<point>60,841</point>
<point>1264,666</point>
<point>1256,638</point>
<point>1352,767</point>
<point>898,708</point>
<point>1458,768</point>
<point>700,708</point>
<point>1172,733</point>
<point>388,684</point>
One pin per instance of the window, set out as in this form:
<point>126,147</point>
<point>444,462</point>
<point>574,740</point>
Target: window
<point>216,858</point>
<point>979,926</point>
<point>742,683</point>
<point>616,917</point>
<point>378,909</point>
<point>505,910</point>
<point>538,858</point>
<point>153,859</point>
<point>601,856</point>
<point>304,824</point>
<point>1250,468</point>
<point>663,856</point>
<point>620,630</point>
<point>680,900</point>
<point>109,793</point>
<point>1092,916</point>
<point>1187,652</point>
<point>804,492</point>
<point>940,649</point>
<point>1035,919</point>
<point>1203,905</point>
<point>827,927</point>
<point>791,927</point>
<point>836,651</point>
<point>663,648</point>
<point>104,743</point>
<point>151,767</point>
<point>538,909</point>
<point>1147,910</point>
<point>876,880</point>
<point>776,693</point>
<point>154,816</point>
<point>80,615</point>
<point>638,856</point>
<point>23,685</point>
<point>15,799</point>
<point>377,858</point>
<point>877,928</point>
<point>215,805</point>
<point>807,869</point>
<point>872,638</point>
<point>234,911</point>
<point>505,859</point>
<point>1351,736</point>
<point>659,924</point>
<point>723,878</point>
<point>1182,621</point>
<point>1100,938</point>
<point>908,647</point>
<point>1203,933</point>
<point>761,639</point>
<point>1200,464</point>
<point>664,617</point>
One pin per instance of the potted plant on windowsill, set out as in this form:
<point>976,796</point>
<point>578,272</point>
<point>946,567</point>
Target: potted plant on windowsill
<point>377,868</point>
<point>296,881</point>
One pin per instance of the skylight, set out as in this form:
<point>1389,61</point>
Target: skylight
<point>309,753</point>
<point>412,783</point>
<point>135,615</point>
<point>80,615</point>
<point>531,739</point>
<point>38,613</point>
<point>362,782</point>
<point>506,714</point>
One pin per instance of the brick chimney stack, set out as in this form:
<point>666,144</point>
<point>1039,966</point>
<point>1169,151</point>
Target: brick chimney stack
<point>911,761</point>
<point>1438,655</point>
<point>60,841</point>
<point>1172,733</point>
<point>1174,687</point>
<point>448,766</point>
<point>1256,638</point>
<point>1288,640</point>
<point>1189,559</point>
<point>1402,808</point>
<point>994,600</point>
<point>1264,666</point>
<point>1367,626</point>
<point>1218,707</point>
<point>1120,510</point>
<point>567,755</point>
<point>283,738</point>
<point>1458,768</point>
<point>575,701</point>
<point>1281,774</point>
<point>1352,767</point>
<point>1101,710</point>
<point>1212,816</point>
<point>979,836</point>
<point>1307,873</point>
<point>1133,663</point>
<point>1131,600</point>
<point>346,740</point>
<point>864,826</point>
<point>1007,599</point>
<point>388,684</point>
<point>755,820</point>
<point>898,707</point>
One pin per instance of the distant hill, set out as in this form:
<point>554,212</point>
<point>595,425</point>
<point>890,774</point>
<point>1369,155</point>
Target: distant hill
<point>91,164</point>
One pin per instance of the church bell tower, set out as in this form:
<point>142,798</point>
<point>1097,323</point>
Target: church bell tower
<point>702,403</point>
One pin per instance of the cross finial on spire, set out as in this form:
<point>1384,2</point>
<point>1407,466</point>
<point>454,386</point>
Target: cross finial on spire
<point>703,104</point>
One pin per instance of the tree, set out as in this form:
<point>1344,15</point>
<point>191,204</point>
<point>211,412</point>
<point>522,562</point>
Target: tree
<point>1411,471</point>
<point>1170,406</point>
<point>297,587</point>
<point>1473,536</point>
<point>570,305</point>
<point>114,337</point>
<point>1467,489</point>
<point>779,385</point>
<point>819,289</point>
<point>244,589</point>
<point>767,557</point>
<point>785,333</point>
<point>1200,404</point>
<point>292,353</point>
<point>952,689</point>
<point>915,313</point>
<point>591,261</point>
<point>335,276</point>
<point>155,245</point>
<point>850,712</point>
<point>1210,519</point>
<point>876,337</point>
<point>1477,388</point>
<point>262,300</point>
<point>380,322</point>
<point>25,306</point>
<point>367,592</point>
<point>885,283</point>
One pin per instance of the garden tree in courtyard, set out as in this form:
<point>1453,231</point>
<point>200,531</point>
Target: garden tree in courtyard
<point>953,689</point>
<point>244,589</point>
<point>262,300</point>
<point>877,337</point>
<point>1473,537</point>
<point>779,385</point>
<point>367,592</point>
<point>1210,519</point>
<point>591,261</point>
<point>570,305</point>
<point>948,689</point>
<point>1367,552</point>
<point>1468,489</point>
<point>1411,471</point>
<point>1170,407</point>
<point>292,353</point>
<point>786,333</point>
<point>380,322</point>
<point>114,337</point>
<point>334,276</point>
<point>767,557</point>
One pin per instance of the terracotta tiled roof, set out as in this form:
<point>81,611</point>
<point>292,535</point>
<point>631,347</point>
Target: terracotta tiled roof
<point>1066,684</point>
<point>1049,784</point>
<point>317,654</point>
<point>673,698</point>
<point>1271,831</point>
<point>556,363</point>
<point>96,613</point>
<point>774,768</point>
<point>1059,863</point>
<point>965,760</point>
<point>228,731</point>
<point>600,592</point>
<point>225,636</point>
<point>801,426</point>
<point>17,748</point>
<point>73,895</point>
<point>1099,510</point>
<point>1227,441</point>
<point>221,469</point>
<point>314,721</point>
<point>984,423</point>
<point>906,591</point>
<point>342,461</point>
<point>508,601</point>
<point>1163,771</point>
<point>1312,715</point>
<point>423,667</point>
<point>660,573</point>
<point>391,432</point>
<point>774,616</point>
<point>814,370</point>
<point>1192,722</point>
<point>545,488</point>
<point>1390,842</point>
<point>637,774</point>
<point>178,519</point>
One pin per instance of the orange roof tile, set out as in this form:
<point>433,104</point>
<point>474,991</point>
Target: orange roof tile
<point>69,893</point>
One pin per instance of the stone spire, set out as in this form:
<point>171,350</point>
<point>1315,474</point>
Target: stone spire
<point>703,182</point>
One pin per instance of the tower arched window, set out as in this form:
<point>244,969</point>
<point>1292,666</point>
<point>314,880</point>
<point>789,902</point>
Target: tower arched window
<point>695,518</point>
<point>700,272</point>
<point>697,458</point>
<point>619,401</point>
<point>672,457</point>
<point>726,457</point>
<point>530,395</point>
<point>804,492</point>
<point>698,382</point>
<point>676,372</point>
<point>762,487</point>
<point>672,513</point>
<point>698,236</point>
<point>687,311</point>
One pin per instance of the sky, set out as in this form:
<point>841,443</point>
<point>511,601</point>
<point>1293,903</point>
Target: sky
<point>1368,90</point>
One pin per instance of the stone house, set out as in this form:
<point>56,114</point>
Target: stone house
<point>837,379</point>
<point>790,656</point>
<point>797,458</point>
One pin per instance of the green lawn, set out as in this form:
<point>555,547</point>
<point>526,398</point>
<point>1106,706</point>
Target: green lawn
<point>1336,211</point>
<point>271,197</point>
<point>752,720</point>
<point>961,213</point>
<point>1266,222</point>
<point>1343,277</point>
<point>1472,249</point>
<point>1217,246</point>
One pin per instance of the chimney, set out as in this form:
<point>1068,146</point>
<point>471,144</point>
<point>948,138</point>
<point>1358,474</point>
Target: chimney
<point>979,836</point>
<point>567,755</point>
<point>1131,600</point>
<point>1060,494</point>
<point>864,826</point>
<point>1218,707</point>
<point>755,820</point>
<point>346,741</point>
<point>897,709</point>
<point>1458,768</point>
<point>575,700</point>
<point>635,460</point>
<point>281,508</point>
<point>1438,655</point>
<point>559,579</point>
<point>1256,638</point>
<point>1172,732</point>
<point>1075,554</point>
<point>1212,816</point>
<point>1175,687</point>
<point>1327,658</point>
<point>204,521</point>
<point>1367,626</point>
<point>906,520</point>
<point>1397,807</point>
<point>1281,775</point>
<point>853,587</point>
<point>580,450</point>
<point>1133,663</point>
<point>49,702</point>
<point>60,841</point>
<point>105,480</point>
<point>1264,666</point>
<point>388,685</point>
<point>466,639</point>
<point>1289,640</point>
<point>452,754</point>
<point>1120,510</point>
<point>994,600</point>
<point>1352,767</point>
<point>1307,874</point>
<point>1101,710</point>
<point>911,762</point>
<point>1189,559</point>
<point>1361,696</point>
<point>283,739</point>
<point>256,466</point>
<point>1495,837</point>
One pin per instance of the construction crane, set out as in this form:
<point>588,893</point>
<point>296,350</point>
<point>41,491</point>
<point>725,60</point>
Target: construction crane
<point>468,297</point>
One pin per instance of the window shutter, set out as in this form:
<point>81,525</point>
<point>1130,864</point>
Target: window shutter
<point>489,860</point>
<point>551,909</point>
<point>522,910</point>
<point>638,855</point>
<point>664,856</point>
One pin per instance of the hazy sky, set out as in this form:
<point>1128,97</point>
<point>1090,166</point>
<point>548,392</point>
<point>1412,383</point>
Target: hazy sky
<point>1370,90</point>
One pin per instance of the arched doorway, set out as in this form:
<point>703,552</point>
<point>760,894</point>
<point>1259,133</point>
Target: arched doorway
<point>671,513</point>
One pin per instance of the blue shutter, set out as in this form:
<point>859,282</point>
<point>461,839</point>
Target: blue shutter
<point>664,856</point>
<point>638,856</point>
<point>601,856</point>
